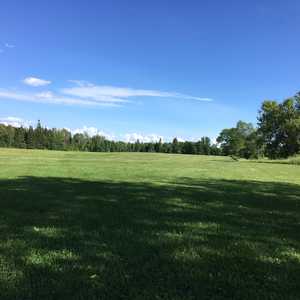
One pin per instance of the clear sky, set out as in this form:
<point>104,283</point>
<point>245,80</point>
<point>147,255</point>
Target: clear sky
<point>138,67</point>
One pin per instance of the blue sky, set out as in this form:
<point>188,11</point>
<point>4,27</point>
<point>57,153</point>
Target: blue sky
<point>146,68</point>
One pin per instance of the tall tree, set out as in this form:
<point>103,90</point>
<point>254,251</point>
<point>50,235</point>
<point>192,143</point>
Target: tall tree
<point>234,140</point>
<point>29,138</point>
<point>203,146</point>
<point>19,138</point>
<point>175,146</point>
<point>279,127</point>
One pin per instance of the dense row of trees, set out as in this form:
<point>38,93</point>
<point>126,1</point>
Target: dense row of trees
<point>276,136</point>
<point>61,139</point>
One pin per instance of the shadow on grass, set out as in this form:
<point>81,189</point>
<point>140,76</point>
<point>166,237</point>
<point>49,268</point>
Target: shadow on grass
<point>64,238</point>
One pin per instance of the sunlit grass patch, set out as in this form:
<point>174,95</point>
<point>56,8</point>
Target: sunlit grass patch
<point>49,258</point>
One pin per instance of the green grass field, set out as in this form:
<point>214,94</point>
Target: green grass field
<point>147,226</point>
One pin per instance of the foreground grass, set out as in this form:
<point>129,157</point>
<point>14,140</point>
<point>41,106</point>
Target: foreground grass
<point>147,226</point>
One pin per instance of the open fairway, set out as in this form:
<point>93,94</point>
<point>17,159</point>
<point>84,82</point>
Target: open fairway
<point>147,226</point>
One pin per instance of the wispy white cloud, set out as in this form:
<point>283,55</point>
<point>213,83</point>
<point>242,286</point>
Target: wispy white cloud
<point>80,82</point>
<point>85,89</point>
<point>93,131</point>
<point>34,81</point>
<point>143,138</point>
<point>7,45</point>
<point>128,137</point>
<point>15,122</point>
<point>86,94</point>
<point>49,97</point>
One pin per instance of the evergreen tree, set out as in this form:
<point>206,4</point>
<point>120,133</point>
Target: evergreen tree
<point>29,138</point>
<point>19,138</point>
<point>175,146</point>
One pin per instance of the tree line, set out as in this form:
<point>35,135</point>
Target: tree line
<point>61,139</point>
<point>277,135</point>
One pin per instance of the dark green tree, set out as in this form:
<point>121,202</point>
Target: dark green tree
<point>19,138</point>
<point>234,141</point>
<point>279,127</point>
<point>175,146</point>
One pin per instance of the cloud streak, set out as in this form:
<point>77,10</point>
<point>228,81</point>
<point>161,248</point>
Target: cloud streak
<point>35,82</point>
<point>50,98</point>
<point>83,93</point>
<point>7,45</point>
<point>120,94</point>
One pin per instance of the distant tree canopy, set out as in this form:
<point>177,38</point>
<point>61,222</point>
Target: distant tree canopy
<point>276,136</point>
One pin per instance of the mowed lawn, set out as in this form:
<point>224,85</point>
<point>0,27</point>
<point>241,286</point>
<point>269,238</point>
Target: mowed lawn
<point>147,226</point>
